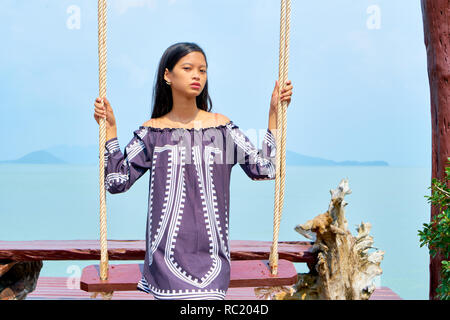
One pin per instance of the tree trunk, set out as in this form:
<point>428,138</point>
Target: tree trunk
<point>436,25</point>
<point>18,278</point>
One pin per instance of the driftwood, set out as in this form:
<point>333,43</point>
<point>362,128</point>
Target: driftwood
<point>18,279</point>
<point>345,269</point>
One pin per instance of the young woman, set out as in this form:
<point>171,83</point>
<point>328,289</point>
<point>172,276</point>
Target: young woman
<point>189,152</point>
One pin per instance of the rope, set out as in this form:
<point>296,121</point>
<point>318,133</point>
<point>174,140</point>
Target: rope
<point>102,137</point>
<point>280,133</point>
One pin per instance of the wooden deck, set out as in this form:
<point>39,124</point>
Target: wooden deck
<point>62,288</point>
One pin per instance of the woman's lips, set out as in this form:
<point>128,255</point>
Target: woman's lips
<point>195,86</point>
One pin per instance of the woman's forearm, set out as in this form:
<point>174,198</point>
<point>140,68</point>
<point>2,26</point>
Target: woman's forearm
<point>111,132</point>
<point>273,122</point>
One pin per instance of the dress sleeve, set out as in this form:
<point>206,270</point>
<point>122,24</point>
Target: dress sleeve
<point>122,170</point>
<point>258,164</point>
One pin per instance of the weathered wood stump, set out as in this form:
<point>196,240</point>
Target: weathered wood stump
<point>345,269</point>
<point>18,279</point>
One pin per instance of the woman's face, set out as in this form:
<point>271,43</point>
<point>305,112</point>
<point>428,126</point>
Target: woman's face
<point>189,70</point>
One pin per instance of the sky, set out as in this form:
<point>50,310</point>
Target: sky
<point>358,69</point>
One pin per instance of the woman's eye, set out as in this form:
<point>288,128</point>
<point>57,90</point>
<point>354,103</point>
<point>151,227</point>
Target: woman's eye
<point>187,68</point>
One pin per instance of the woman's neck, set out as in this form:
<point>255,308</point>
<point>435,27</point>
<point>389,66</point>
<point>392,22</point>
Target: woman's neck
<point>184,108</point>
<point>183,114</point>
<point>184,119</point>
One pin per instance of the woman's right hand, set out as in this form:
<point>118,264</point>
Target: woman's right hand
<point>105,111</point>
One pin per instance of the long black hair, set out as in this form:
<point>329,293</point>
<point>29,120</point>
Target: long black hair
<point>162,92</point>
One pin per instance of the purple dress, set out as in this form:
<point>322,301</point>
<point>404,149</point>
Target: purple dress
<point>187,245</point>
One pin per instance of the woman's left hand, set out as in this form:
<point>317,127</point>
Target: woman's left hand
<point>286,94</point>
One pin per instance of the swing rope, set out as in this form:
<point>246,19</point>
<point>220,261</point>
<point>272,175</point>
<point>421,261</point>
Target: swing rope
<point>280,134</point>
<point>102,137</point>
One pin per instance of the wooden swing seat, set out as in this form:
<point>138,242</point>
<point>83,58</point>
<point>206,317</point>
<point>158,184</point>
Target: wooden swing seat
<point>244,273</point>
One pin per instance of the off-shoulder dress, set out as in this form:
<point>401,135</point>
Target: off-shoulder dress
<point>187,245</point>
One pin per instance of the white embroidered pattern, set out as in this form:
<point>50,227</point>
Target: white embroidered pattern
<point>132,151</point>
<point>248,148</point>
<point>195,294</point>
<point>174,228</point>
<point>150,207</point>
<point>169,191</point>
<point>171,220</point>
<point>111,147</point>
<point>212,195</point>
<point>209,203</point>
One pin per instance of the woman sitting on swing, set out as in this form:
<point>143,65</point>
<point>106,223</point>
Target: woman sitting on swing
<point>190,153</point>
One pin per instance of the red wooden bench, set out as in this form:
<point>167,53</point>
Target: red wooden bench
<point>247,257</point>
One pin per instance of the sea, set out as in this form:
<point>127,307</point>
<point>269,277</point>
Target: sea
<point>61,202</point>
